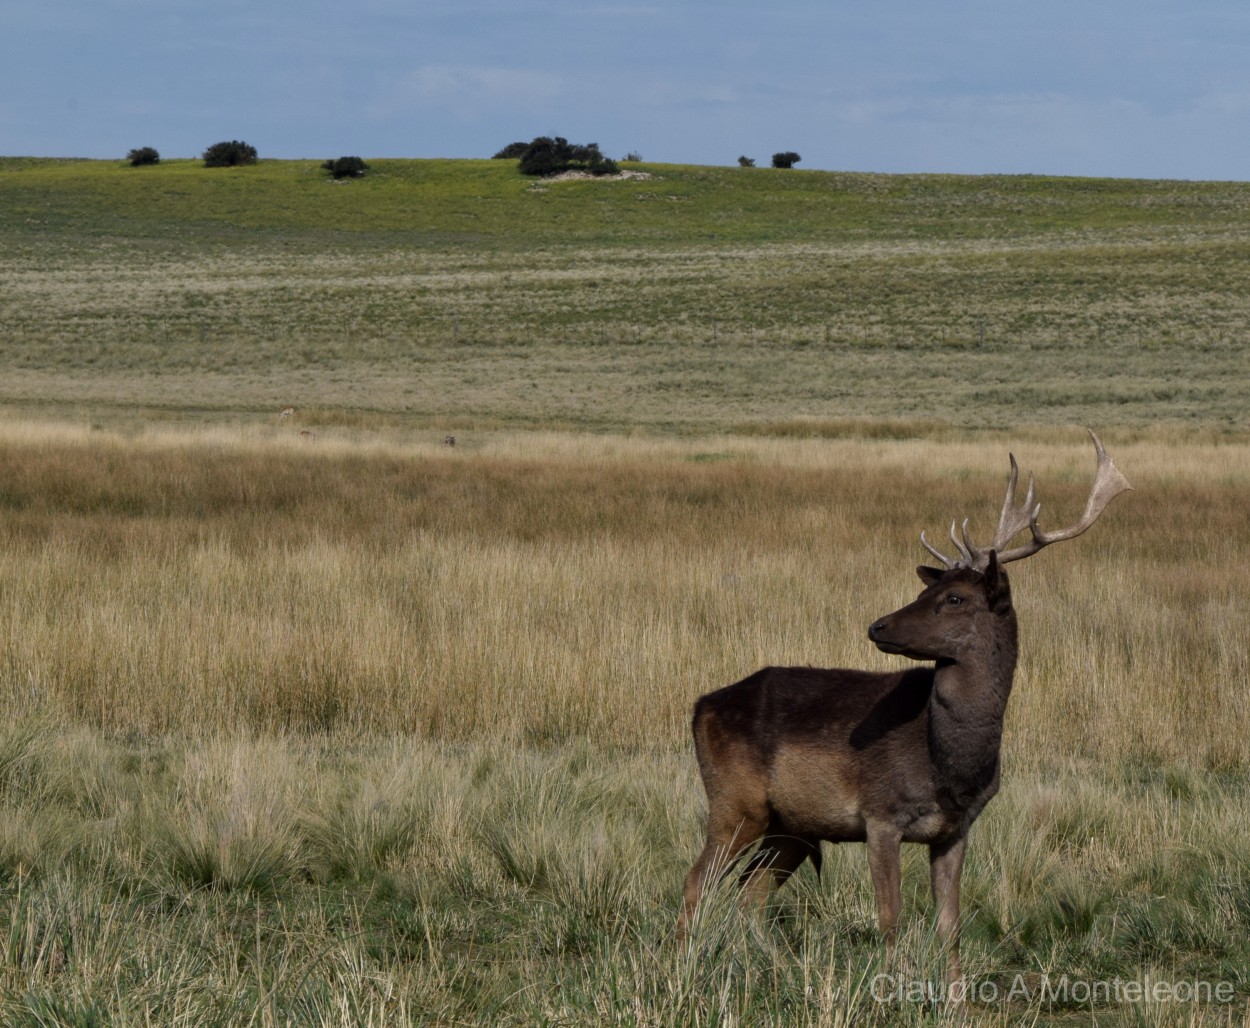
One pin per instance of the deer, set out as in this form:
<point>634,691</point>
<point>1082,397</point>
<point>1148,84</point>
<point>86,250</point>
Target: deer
<point>793,756</point>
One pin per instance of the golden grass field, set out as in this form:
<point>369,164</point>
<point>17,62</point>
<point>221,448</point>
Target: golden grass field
<point>543,588</point>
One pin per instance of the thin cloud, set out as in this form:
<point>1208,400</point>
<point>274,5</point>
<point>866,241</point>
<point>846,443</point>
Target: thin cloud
<point>466,90</point>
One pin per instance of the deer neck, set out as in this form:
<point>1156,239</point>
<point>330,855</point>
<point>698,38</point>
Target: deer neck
<point>966,713</point>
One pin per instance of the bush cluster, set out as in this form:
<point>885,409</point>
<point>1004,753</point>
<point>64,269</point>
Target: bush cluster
<point>346,167</point>
<point>551,156</point>
<point>143,155</point>
<point>229,154</point>
<point>788,159</point>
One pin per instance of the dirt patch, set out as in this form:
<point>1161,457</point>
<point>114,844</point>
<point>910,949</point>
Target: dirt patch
<point>620,176</point>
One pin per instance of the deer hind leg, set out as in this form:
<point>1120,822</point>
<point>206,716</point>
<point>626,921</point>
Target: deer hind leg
<point>946,864</point>
<point>884,850</point>
<point>730,833</point>
<point>777,858</point>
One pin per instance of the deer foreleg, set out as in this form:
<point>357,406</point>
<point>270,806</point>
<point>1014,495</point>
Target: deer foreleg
<point>884,846</point>
<point>946,864</point>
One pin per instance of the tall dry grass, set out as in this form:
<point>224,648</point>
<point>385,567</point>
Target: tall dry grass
<point>541,588</point>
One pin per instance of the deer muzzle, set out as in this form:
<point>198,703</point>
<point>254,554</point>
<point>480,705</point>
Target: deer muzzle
<point>877,634</point>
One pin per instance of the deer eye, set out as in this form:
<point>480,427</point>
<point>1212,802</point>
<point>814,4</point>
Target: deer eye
<point>953,600</point>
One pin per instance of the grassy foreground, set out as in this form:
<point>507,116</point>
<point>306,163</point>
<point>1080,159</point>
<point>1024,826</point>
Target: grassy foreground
<point>271,881</point>
<point>381,732</point>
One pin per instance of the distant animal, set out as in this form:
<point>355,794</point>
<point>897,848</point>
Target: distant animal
<point>307,436</point>
<point>286,412</point>
<point>449,440</point>
<point>791,756</point>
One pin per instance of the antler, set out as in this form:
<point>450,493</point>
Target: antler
<point>1016,517</point>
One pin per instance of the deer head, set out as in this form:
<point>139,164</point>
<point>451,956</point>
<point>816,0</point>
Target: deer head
<point>948,618</point>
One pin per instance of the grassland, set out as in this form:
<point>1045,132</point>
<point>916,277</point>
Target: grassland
<point>354,728</point>
<point>459,294</point>
<point>384,732</point>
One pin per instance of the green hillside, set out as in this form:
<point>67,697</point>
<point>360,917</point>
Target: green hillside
<point>695,298</point>
<point>475,200</point>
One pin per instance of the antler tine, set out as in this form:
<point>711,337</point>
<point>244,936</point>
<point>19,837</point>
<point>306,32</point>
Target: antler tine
<point>950,564</point>
<point>966,550</point>
<point>1108,484</point>
<point>1011,486</point>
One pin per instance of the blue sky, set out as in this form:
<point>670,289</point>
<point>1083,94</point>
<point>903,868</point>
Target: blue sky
<point>1140,88</point>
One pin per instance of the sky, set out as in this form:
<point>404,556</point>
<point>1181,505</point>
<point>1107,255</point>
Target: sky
<point>1105,88</point>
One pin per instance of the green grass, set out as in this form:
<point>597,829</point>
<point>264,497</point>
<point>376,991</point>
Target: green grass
<point>475,202</point>
<point>280,881</point>
<point>453,294</point>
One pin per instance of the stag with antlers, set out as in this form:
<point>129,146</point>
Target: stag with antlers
<point>791,757</point>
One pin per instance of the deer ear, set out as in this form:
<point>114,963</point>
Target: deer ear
<point>997,589</point>
<point>928,575</point>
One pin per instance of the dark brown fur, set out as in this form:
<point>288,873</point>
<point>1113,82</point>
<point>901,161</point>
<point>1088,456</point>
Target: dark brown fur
<point>794,756</point>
